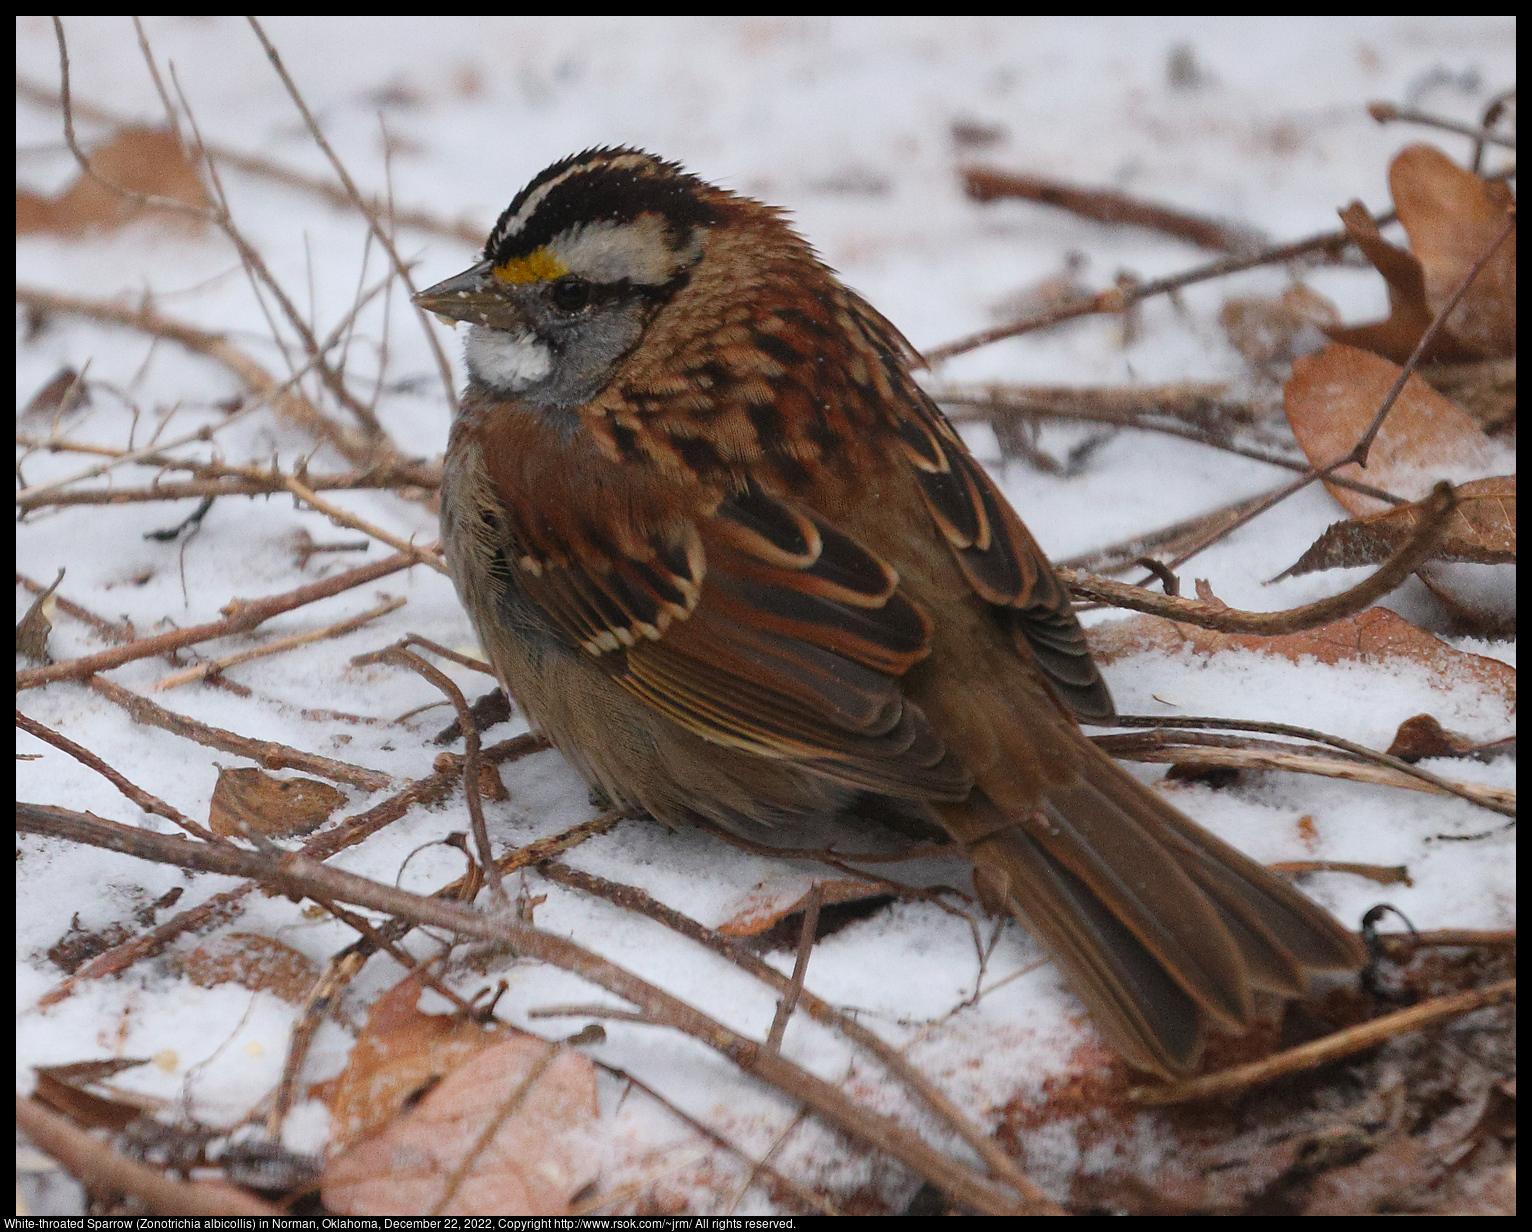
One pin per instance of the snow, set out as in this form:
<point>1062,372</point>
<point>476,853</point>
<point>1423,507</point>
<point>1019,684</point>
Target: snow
<point>847,123</point>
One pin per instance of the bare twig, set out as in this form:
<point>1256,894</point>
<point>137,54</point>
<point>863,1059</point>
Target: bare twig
<point>1104,205</point>
<point>789,1001</point>
<point>368,209</point>
<point>471,745</point>
<point>1466,791</point>
<point>1119,299</point>
<point>203,670</point>
<point>148,802</point>
<point>268,753</point>
<point>244,616</point>
<point>295,874</point>
<point>1385,112</point>
<point>633,899</point>
<point>1409,557</point>
<point>1330,1048</point>
<point>342,518</point>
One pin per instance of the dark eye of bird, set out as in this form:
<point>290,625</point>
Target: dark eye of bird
<point>571,294</point>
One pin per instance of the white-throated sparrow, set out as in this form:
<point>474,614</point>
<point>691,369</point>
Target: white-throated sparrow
<point>736,564</point>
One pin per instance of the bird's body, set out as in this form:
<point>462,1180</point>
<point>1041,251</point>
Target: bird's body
<point>734,562</point>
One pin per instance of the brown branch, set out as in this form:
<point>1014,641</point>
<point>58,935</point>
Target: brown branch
<point>243,615</point>
<point>288,404</point>
<point>296,875</point>
<point>104,1172</point>
<point>1467,791</point>
<point>789,1000</point>
<point>630,898</point>
<point>1410,556</point>
<point>150,803</point>
<point>1330,1048</point>
<point>1119,299</point>
<point>1385,112</point>
<point>107,630</point>
<point>282,644</point>
<point>268,753</point>
<point>414,474</point>
<point>1104,205</point>
<point>342,518</point>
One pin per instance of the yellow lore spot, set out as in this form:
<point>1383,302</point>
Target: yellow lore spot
<point>539,266</point>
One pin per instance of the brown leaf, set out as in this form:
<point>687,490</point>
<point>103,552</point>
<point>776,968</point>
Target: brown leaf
<point>62,1088</point>
<point>401,1149</point>
<point>769,901</point>
<point>254,962</point>
<point>278,808</point>
<point>1409,314</point>
<point>1374,636</point>
<point>1481,529</point>
<point>142,160</point>
<point>1452,216</point>
<point>1332,399</point>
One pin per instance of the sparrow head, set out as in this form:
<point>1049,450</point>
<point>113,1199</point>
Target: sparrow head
<point>576,267</point>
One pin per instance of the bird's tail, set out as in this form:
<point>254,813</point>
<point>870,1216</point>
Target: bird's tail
<point>1162,929</point>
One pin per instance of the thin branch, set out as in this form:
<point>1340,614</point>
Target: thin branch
<point>150,803</point>
<point>294,874</point>
<point>1330,1048</point>
<point>104,1172</point>
<point>244,615</point>
<point>1119,299</point>
<point>282,644</point>
<point>1385,112</point>
<point>1435,511</point>
<point>342,518</point>
<point>1445,786</point>
<point>268,753</point>
<point>789,1000</point>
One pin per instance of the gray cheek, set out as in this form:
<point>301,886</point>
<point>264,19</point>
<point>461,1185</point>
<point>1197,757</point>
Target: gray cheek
<point>587,352</point>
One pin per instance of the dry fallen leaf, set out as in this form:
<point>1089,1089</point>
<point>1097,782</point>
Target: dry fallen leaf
<point>1452,216</point>
<point>254,962</point>
<point>1481,529</point>
<point>432,1104</point>
<point>1271,331</point>
<point>1332,399</point>
<point>141,160</point>
<point>278,808</point>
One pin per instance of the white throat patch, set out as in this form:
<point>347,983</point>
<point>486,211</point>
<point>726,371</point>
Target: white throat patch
<point>504,360</point>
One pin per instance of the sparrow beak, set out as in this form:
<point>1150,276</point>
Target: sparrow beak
<point>475,296</point>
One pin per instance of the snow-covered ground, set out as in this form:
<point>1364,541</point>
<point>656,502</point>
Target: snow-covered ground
<point>850,125</point>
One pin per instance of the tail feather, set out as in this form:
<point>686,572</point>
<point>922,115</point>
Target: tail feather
<point>1162,929</point>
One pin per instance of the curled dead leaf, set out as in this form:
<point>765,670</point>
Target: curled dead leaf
<point>1481,528</point>
<point>770,901</point>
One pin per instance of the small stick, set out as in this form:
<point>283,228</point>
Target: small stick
<point>1119,299</point>
<point>1330,1048</point>
<point>203,670</point>
<point>1406,559</point>
<point>268,753</point>
<point>1104,205</point>
<point>1385,112</point>
<point>149,803</point>
<point>789,1000</point>
<point>1446,786</point>
<point>341,518</point>
<point>243,615</point>
<point>471,745</point>
<point>295,874</point>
